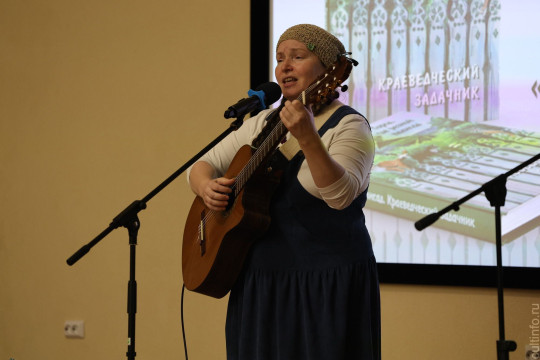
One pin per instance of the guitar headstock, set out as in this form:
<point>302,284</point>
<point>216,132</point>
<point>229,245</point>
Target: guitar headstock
<point>324,87</point>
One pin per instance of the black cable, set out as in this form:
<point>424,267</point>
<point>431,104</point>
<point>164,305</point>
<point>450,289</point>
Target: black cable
<point>182,319</point>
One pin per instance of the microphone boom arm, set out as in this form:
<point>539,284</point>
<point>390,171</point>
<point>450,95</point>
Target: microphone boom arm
<point>488,188</point>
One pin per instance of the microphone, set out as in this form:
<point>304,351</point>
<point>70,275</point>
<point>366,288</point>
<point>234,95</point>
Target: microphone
<point>265,94</point>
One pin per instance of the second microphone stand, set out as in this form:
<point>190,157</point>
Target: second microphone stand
<point>495,191</point>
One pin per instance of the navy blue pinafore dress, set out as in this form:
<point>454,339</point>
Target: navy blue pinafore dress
<point>309,288</point>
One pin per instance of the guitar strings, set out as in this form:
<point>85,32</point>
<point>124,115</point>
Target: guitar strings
<point>246,172</point>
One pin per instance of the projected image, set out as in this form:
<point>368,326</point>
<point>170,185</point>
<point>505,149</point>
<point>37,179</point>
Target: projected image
<point>451,89</point>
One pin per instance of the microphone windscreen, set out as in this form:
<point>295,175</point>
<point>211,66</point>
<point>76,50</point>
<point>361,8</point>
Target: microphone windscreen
<point>272,92</point>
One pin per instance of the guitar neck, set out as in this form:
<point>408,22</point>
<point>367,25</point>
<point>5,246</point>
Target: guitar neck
<point>263,152</point>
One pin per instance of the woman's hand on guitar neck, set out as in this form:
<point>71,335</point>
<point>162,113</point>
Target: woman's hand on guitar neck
<point>213,192</point>
<point>298,119</point>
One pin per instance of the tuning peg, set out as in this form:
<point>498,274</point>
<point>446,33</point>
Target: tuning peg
<point>350,59</point>
<point>344,88</point>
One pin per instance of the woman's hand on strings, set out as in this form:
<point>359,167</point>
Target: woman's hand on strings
<point>215,193</point>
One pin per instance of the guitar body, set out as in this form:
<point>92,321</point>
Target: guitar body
<point>213,253</point>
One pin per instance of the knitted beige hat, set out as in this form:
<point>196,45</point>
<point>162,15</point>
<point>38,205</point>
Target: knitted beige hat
<point>326,46</point>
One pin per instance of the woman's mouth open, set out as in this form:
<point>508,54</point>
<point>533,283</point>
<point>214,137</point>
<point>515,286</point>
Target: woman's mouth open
<point>288,81</point>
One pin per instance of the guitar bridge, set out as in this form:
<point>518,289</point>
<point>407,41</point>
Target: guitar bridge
<point>202,240</point>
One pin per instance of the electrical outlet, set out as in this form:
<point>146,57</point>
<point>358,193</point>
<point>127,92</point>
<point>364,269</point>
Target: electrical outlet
<point>74,329</point>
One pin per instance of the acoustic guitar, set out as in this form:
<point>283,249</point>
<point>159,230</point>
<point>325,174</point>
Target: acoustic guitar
<point>215,244</point>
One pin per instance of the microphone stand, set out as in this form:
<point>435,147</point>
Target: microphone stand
<point>495,191</point>
<point>128,218</point>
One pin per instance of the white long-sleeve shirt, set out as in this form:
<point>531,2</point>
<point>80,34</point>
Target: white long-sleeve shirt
<point>350,144</point>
